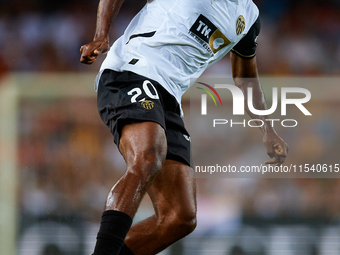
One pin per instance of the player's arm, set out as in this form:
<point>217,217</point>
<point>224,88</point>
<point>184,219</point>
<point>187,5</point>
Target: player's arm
<point>245,75</point>
<point>244,70</point>
<point>107,12</point>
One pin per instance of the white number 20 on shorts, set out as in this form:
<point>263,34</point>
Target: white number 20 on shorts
<point>136,92</point>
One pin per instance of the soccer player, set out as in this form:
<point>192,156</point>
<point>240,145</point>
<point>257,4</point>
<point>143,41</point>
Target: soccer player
<point>140,84</point>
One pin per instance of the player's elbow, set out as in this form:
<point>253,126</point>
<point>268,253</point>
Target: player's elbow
<point>245,83</point>
<point>240,82</point>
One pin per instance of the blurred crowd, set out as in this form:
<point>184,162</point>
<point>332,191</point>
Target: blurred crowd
<point>68,160</point>
<point>297,37</point>
<point>313,141</point>
<point>68,163</point>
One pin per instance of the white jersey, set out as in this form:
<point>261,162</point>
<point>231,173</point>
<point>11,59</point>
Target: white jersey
<point>174,41</point>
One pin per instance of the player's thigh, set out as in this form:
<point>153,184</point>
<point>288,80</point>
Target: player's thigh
<point>129,104</point>
<point>143,141</point>
<point>174,190</point>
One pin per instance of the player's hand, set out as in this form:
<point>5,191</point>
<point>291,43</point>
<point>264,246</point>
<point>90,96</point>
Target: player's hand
<point>277,149</point>
<point>89,52</point>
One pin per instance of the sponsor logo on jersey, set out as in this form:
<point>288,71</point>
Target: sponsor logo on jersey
<point>147,104</point>
<point>240,25</point>
<point>207,34</point>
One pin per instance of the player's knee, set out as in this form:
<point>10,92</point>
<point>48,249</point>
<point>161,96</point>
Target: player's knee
<point>185,223</point>
<point>189,223</point>
<point>148,163</point>
<point>188,226</point>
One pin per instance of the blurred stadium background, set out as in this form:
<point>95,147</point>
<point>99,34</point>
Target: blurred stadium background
<point>58,161</point>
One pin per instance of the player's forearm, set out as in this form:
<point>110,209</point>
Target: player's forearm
<point>258,101</point>
<point>107,12</point>
<point>245,75</point>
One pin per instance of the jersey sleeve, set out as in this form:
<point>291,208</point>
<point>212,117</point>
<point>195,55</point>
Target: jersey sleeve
<point>246,47</point>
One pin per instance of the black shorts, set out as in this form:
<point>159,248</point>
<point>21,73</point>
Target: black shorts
<point>126,97</point>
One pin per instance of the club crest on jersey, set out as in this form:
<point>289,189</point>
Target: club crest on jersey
<point>240,25</point>
<point>147,104</point>
<point>207,34</point>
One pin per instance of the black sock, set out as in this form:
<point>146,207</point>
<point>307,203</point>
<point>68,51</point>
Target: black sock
<point>126,251</point>
<point>112,232</point>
